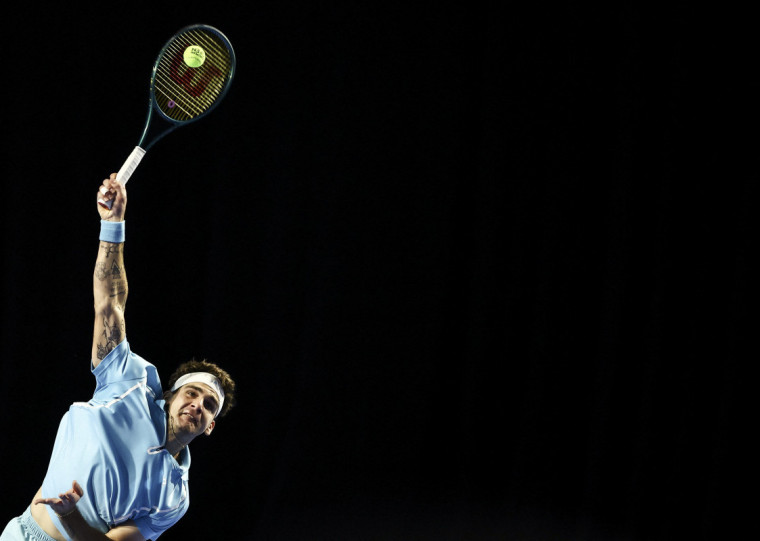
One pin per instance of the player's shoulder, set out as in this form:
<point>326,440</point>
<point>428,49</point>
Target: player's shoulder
<point>124,366</point>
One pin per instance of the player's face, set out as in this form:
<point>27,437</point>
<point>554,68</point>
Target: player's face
<point>193,408</point>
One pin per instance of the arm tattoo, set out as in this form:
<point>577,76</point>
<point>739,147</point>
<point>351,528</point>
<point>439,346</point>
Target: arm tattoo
<point>115,271</point>
<point>111,338</point>
<point>109,248</point>
<point>102,271</point>
<point>117,289</point>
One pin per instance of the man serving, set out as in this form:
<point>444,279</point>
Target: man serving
<point>119,466</point>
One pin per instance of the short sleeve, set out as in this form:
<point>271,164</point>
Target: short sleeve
<point>121,365</point>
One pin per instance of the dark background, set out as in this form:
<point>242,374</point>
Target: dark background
<point>479,273</point>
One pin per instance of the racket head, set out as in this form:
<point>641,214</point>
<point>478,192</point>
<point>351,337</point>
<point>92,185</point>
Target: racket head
<point>192,74</point>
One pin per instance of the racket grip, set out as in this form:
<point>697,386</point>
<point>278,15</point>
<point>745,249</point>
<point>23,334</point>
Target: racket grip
<point>126,170</point>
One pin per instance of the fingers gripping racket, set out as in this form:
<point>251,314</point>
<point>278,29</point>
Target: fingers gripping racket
<point>191,75</point>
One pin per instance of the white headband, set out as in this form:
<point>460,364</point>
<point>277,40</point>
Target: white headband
<point>202,377</point>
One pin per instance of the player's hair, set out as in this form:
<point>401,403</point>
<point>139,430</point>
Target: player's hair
<point>228,385</point>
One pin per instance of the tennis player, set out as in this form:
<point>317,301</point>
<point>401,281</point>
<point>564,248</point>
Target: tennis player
<point>119,467</point>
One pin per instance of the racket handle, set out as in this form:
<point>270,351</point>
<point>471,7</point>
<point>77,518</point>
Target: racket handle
<point>126,171</point>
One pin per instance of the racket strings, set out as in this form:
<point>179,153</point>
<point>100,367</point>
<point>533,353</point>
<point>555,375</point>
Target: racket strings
<point>183,93</point>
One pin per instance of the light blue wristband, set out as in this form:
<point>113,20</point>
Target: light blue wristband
<point>111,231</point>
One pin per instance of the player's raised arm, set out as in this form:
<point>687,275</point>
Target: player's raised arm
<point>109,281</point>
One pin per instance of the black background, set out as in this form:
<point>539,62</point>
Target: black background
<point>479,271</point>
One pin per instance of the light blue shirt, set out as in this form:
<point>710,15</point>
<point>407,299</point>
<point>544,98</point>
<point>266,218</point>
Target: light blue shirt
<point>113,447</point>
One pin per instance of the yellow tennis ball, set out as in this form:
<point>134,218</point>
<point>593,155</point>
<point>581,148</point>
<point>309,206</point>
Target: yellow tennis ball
<point>194,56</point>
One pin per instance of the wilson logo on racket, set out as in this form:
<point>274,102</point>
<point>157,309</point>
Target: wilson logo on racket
<point>194,81</point>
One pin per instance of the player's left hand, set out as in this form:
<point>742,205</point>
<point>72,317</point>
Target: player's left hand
<point>65,502</point>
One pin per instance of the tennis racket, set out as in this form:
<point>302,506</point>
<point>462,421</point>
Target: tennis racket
<point>191,75</point>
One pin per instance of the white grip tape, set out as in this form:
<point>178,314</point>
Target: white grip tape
<point>127,169</point>
<point>130,165</point>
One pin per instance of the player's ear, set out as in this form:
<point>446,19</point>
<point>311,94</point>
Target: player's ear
<point>210,428</point>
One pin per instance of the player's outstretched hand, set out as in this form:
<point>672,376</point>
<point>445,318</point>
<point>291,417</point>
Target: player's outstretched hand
<point>114,191</point>
<point>65,502</point>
